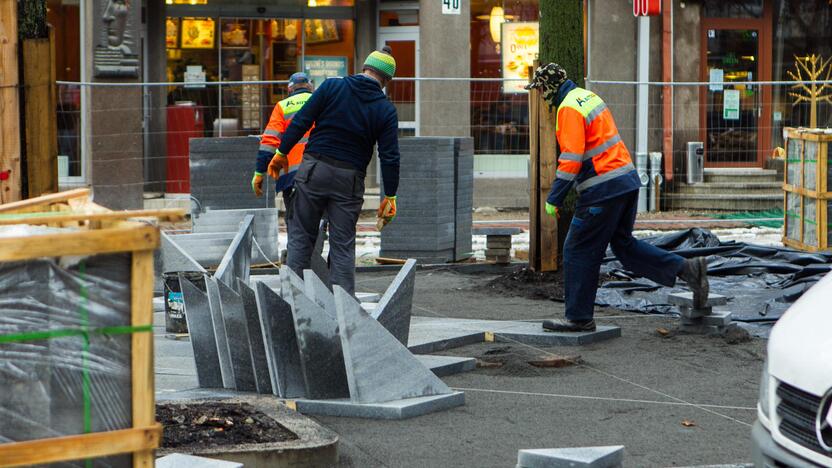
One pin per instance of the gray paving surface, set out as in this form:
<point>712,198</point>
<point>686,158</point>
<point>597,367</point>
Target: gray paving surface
<point>634,391</point>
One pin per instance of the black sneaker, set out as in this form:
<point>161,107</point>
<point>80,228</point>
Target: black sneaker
<point>695,274</point>
<point>566,325</point>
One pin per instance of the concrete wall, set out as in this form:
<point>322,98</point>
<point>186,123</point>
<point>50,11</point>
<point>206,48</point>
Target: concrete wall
<point>444,42</point>
<point>156,61</point>
<point>687,48</point>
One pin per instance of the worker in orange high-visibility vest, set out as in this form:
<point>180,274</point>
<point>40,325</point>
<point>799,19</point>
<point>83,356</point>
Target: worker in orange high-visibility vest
<point>595,161</point>
<point>300,90</point>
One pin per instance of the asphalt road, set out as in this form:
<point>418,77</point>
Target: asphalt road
<point>679,400</point>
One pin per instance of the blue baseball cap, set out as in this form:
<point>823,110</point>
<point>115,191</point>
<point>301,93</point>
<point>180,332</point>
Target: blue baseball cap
<point>298,78</point>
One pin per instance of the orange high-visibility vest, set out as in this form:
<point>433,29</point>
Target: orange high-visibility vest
<point>279,121</point>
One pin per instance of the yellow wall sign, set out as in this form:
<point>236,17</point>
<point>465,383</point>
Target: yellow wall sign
<point>197,33</point>
<point>519,46</point>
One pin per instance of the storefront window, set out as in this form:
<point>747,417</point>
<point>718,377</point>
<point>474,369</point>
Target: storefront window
<point>63,17</point>
<point>241,49</point>
<point>499,110</point>
<point>801,28</point>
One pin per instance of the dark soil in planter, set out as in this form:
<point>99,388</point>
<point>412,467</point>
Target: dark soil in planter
<point>211,424</point>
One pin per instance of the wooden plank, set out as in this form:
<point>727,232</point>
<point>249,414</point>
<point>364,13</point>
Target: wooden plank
<point>548,168</point>
<point>40,218</point>
<point>144,406</point>
<point>80,243</point>
<point>40,118</point>
<point>81,446</point>
<point>38,203</point>
<point>10,189</point>
<point>534,181</point>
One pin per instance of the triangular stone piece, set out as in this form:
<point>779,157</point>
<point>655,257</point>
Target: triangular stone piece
<point>236,263</point>
<point>318,263</point>
<point>255,338</point>
<point>281,343</point>
<point>288,280</point>
<point>321,357</point>
<point>395,307</point>
<point>379,368</point>
<point>175,258</point>
<point>201,330</point>
<point>214,303</point>
<point>236,333</point>
<point>319,292</point>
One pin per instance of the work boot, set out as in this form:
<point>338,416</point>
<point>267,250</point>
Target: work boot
<point>566,325</point>
<point>695,274</point>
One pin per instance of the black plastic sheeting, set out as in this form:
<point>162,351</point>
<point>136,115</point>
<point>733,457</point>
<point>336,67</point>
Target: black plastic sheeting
<point>761,281</point>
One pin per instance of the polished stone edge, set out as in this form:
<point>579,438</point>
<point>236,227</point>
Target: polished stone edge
<point>443,366</point>
<point>573,457</point>
<point>447,343</point>
<point>394,410</point>
<point>602,333</point>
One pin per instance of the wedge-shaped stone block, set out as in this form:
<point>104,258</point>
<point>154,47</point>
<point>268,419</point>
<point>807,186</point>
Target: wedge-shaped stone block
<point>321,355</point>
<point>379,367</point>
<point>577,457</point>
<point>175,258</point>
<point>318,263</point>
<point>399,409</point>
<point>201,329</point>
<point>289,280</point>
<point>236,263</point>
<point>215,304</point>
<point>395,307</point>
<point>718,319</point>
<point>236,334</point>
<point>281,344</point>
<point>255,339</point>
<point>685,299</point>
<point>316,290</point>
<point>444,366</point>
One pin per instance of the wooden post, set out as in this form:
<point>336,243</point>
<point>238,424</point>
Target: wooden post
<point>543,229</point>
<point>40,118</point>
<point>9,105</point>
<point>144,406</point>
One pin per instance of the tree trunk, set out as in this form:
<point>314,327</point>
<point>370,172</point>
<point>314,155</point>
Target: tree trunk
<point>562,42</point>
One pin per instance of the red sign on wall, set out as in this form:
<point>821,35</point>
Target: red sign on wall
<point>647,7</point>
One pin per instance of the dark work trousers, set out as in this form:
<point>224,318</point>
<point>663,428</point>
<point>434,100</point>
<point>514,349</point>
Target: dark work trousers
<point>592,229</point>
<point>322,189</point>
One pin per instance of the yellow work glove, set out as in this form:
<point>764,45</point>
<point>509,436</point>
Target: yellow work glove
<point>386,212</point>
<point>552,210</point>
<point>257,184</point>
<point>280,162</point>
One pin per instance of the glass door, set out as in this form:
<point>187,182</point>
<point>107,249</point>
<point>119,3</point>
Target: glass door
<point>733,109</point>
<point>403,91</point>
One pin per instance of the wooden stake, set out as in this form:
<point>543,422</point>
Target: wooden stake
<point>144,402</point>
<point>9,105</point>
<point>534,180</point>
<point>41,123</point>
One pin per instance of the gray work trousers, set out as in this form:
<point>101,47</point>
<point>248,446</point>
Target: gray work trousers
<point>338,192</point>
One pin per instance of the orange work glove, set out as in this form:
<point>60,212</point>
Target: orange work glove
<point>386,212</point>
<point>280,162</point>
<point>257,184</point>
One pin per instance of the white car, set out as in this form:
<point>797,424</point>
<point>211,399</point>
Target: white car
<point>794,414</point>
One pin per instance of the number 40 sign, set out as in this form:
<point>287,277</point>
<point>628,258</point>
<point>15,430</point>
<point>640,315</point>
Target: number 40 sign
<point>451,7</point>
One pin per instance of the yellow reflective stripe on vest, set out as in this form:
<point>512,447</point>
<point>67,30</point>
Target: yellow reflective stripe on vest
<point>593,181</point>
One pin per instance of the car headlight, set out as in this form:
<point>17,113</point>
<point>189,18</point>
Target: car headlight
<point>765,384</point>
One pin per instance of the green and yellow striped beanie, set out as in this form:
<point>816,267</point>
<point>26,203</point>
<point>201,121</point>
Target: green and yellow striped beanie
<point>382,61</point>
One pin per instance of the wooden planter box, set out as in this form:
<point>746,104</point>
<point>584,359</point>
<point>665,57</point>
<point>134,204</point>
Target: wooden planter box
<point>98,234</point>
<point>806,190</point>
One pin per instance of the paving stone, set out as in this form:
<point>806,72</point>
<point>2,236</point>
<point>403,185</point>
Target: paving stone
<point>282,354</point>
<point>214,303</point>
<point>367,297</point>
<point>262,380</point>
<point>236,334</point>
<point>686,299</point>
<point>395,307</point>
<point>395,410</point>
<point>719,319</point>
<point>577,457</point>
<point>444,366</point>
<point>379,368</point>
<point>496,231</point>
<point>180,460</point>
<point>498,244</point>
<point>236,263</point>
<point>201,330</point>
<point>502,259</point>
<point>692,313</point>
<point>497,252</point>
<point>319,343</point>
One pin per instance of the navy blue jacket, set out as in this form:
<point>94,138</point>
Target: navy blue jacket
<point>351,115</point>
